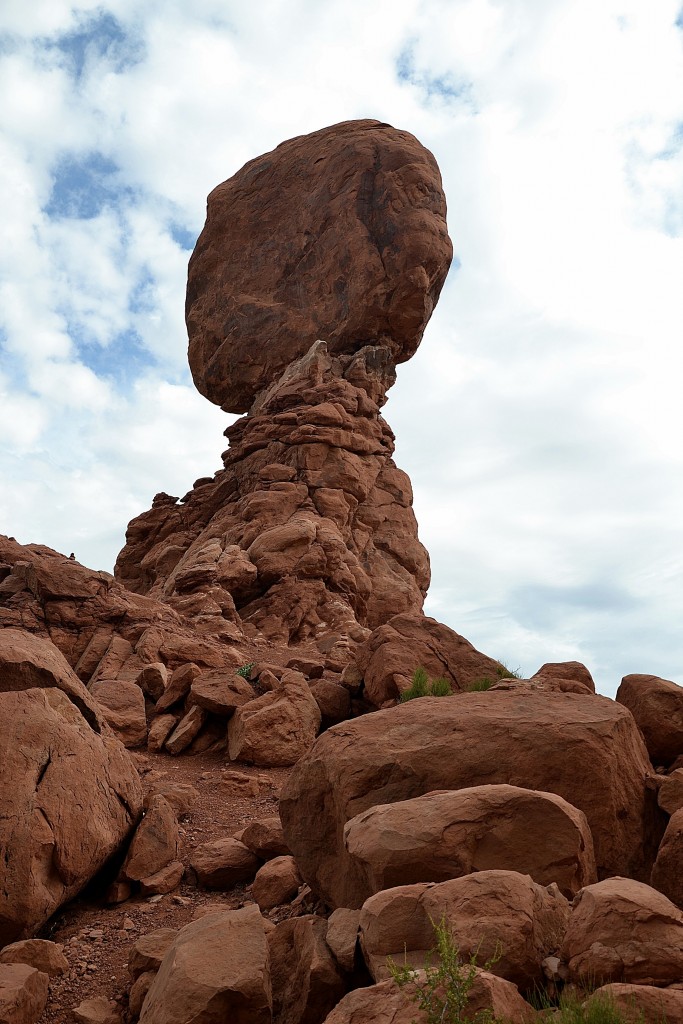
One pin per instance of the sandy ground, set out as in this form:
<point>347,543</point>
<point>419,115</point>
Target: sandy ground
<point>97,937</point>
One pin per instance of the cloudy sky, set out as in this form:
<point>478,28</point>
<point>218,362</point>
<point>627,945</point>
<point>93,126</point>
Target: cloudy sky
<point>542,419</point>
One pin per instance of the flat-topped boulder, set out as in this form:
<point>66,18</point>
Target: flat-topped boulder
<point>586,749</point>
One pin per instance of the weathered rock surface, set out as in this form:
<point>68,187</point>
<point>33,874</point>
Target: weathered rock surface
<point>103,630</point>
<point>641,1004</point>
<point>276,882</point>
<point>657,706</point>
<point>148,952</point>
<point>23,993</point>
<point>50,749</point>
<point>408,641</point>
<point>667,873</point>
<point>489,913</point>
<point>123,706</point>
<point>447,834</point>
<point>306,980</point>
<point>361,260</point>
<point>622,930</point>
<point>222,863</point>
<point>45,956</point>
<point>155,843</point>
<point>265,838</point>
<point>565,677</point>
<point>539,741</point>
<point>216,969</point>
<point>386,1003</point>
<point>276,728</point>
<point>96,1010</point>
<point>670,794</point>
<point>342,936</point>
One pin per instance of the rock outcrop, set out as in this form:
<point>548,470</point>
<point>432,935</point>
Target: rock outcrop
<point>298,318</point>
<point>53,745</point>
<point>538,740</point>
<point>657,706</point>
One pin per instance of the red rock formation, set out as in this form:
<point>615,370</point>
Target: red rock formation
<point>307,533</point>
<point>339,235</point>
<point>585,748</point>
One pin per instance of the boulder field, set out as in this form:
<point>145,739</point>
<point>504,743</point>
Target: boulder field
<point>221,794</point>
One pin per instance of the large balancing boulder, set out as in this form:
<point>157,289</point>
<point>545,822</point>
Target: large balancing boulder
<point>586,749</point>
<point>339,235</point>
<point>70,794</point>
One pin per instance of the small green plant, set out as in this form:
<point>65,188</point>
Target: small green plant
<point>574,1009</point>
<point>245,670</point>
<point>501,672</point>
<point>422,686</point>
<point>441,990</point>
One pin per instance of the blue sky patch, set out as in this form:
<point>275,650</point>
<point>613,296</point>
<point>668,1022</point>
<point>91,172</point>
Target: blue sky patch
<point>99,37</point>
<point>184,238</point>
<point>84,185</point>
<point>446,87</point>
<point>123,360</point>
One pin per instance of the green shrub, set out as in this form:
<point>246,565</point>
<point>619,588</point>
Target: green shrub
<point>441,990</point>
<point>245,670</point>
<point>422,686</point>
<point>486,682</point>
<point>600,1010</point>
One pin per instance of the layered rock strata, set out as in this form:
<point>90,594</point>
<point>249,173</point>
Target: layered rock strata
<point>316,273</point>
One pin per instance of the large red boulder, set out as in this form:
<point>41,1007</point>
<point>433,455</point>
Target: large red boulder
<point>70,794</point>
<point>339,235</point>
<point>622,930</point>
<point>667,873</point>
<point>447,834</point>
<point>586,749</point>
<point>499,916</point>
<point>657,706</point>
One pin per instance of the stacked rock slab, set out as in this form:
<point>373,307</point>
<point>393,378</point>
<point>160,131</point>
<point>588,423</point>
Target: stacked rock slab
<point>316,273</point>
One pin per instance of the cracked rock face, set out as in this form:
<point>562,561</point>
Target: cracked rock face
<point>70,794</point>
<point>339,235</point>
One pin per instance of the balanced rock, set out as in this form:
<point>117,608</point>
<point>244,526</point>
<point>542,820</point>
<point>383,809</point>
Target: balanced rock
<point>495,915</point>
<point>316,273</point>
<point>339,235</point>
<point>50,749</point>
<point>565,677</point>
<point>657,706</point>
<point>623,930</point>
<point>447,834</point>
<point>216,969</point>
<point>541,741</point>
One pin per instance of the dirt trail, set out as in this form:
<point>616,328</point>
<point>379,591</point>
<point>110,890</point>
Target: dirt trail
<point>97,937</point>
